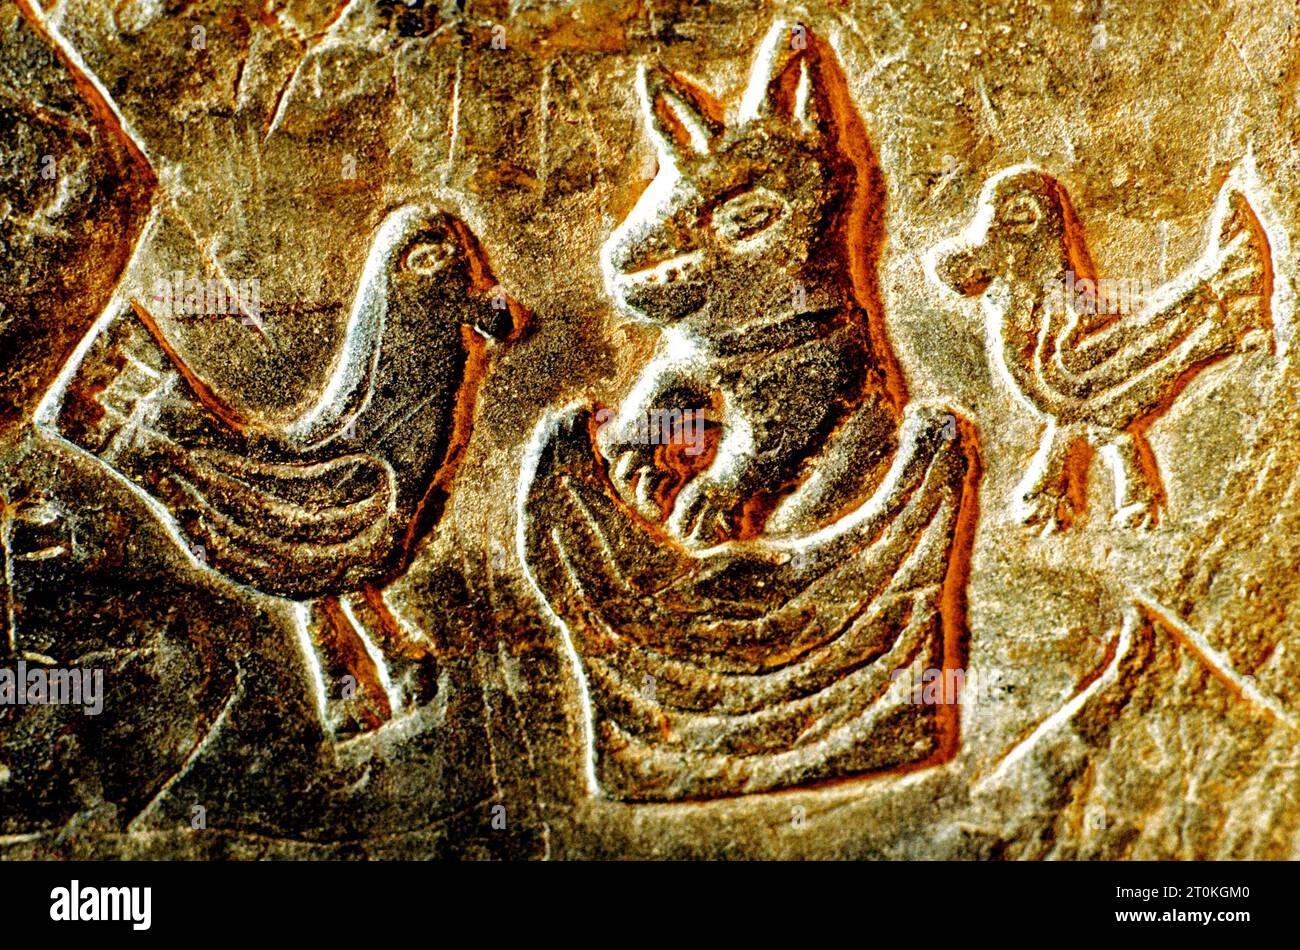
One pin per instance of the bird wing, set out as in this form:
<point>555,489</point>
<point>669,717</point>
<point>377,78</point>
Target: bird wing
<point>281,523</point>
<point>292,528</point>
<point>1126,364</point>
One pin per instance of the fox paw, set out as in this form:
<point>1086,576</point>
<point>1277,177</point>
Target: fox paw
<point>701,516</point>
<point>637,482</point>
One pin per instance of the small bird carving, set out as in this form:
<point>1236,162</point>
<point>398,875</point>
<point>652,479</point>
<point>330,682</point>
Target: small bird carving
<point>1100,365</point>
<point>327,509</point>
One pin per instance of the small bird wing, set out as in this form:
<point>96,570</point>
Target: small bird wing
<point>1126,364</point>
<point>279,522</point>
<point>292,528</point>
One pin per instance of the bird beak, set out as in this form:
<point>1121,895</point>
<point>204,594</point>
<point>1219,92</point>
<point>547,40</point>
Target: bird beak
<point>496,320</point>
<point>495,325</point>
<point>961,268</point>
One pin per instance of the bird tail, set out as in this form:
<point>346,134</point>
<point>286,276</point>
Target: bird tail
<point>1240,265</point>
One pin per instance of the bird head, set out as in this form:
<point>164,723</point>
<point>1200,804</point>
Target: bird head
<point>1023,232</point>
<point>436,266</point>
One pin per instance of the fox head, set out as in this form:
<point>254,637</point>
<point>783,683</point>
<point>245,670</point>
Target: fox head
<point>752,217</point>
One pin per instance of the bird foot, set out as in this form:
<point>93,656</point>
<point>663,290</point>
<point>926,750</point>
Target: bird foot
<point>1256,340</point>
<point>1052,510</point>
<point>416,680</point>
<point>359,709</point>
<point>1140,515</point>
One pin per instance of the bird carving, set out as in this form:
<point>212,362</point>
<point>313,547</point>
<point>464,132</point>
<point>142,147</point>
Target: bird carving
<point>327,509</point>
<point>1097,365</point>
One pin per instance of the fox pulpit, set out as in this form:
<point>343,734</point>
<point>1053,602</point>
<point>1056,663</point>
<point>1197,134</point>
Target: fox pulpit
<point>743,618</point>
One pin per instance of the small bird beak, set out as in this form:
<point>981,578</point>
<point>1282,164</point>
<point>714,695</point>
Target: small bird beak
<point>961,268</point>
<point>496,325</point>
<point>496,320</point>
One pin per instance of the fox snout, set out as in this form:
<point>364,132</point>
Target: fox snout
<point>650,275</point>
<point>656,272</point>
<point>637,247</point>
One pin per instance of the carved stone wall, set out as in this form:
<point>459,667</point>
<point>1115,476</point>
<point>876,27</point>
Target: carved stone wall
<point>562,430</point>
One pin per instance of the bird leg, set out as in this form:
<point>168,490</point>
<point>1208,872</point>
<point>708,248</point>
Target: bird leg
<point>407,656</point>
<point>1139,495</point>
<point>355,698</point>
<point>1054,490</point>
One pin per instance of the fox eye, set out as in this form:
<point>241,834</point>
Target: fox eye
<point>748,215</point>
<point>1021,213</point>
<point>428,256</point>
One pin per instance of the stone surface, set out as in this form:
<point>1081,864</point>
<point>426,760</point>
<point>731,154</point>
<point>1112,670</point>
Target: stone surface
<point>570,430</point>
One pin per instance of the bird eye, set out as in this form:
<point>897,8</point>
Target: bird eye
<point>1021,213</point>
<point>747,215</point>
<point>428,256</point>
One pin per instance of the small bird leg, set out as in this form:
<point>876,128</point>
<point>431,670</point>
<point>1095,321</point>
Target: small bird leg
<point>1139,496</point>
<point>1053,491</point>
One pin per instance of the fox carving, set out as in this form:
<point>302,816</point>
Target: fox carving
<point>771,576</point>
<point>751,249</point>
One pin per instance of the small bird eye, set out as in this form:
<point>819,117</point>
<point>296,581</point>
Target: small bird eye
<point>747,215</point>
<point>1021,213</point>
<point>428,257</point>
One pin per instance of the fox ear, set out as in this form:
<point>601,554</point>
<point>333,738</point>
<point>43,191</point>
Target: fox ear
<point>780,82</point>
<point>680,118</point>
